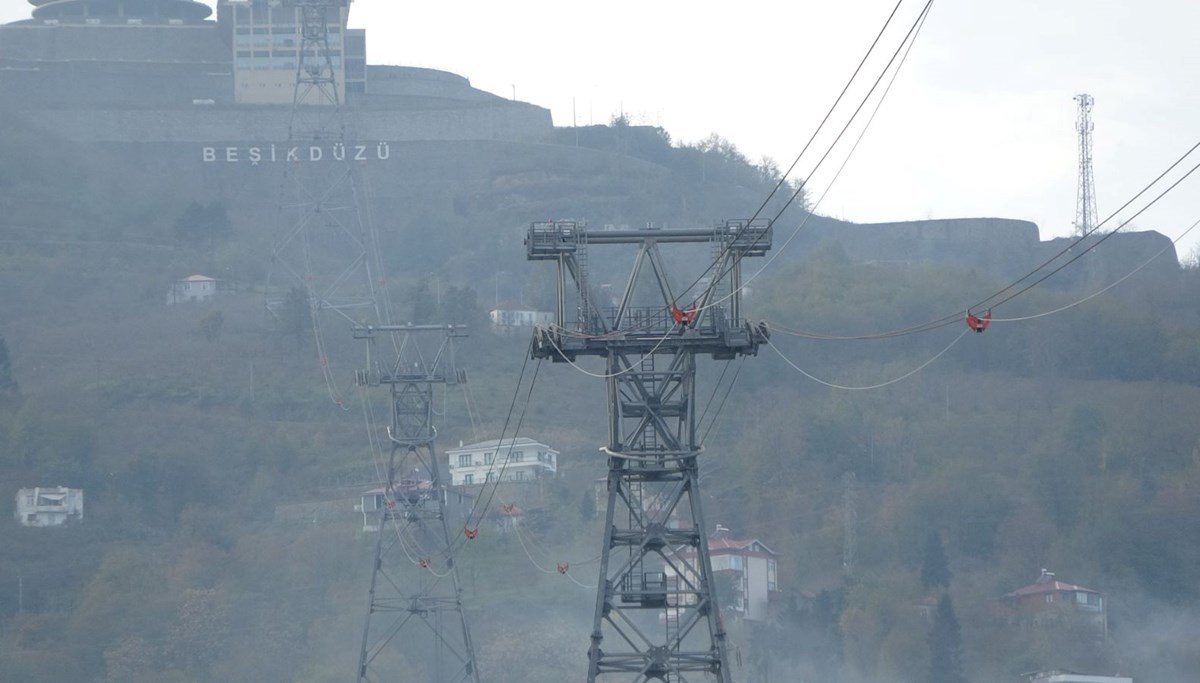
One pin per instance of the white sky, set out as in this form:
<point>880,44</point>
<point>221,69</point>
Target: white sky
<point>981,121</point>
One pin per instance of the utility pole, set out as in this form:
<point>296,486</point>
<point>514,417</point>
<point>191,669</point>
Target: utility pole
<point>656,616</point>
<point>415,596</point>
<point>1085,197</point>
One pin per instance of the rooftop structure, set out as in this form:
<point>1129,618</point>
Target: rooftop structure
<point>97,11</point>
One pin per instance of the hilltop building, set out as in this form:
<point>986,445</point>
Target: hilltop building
<point>155,71</point>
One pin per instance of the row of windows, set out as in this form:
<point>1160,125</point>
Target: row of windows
<point>262,14</point>
<point>469,479</point>
<point>285,53</point>
<point>263,63</point>
<point>465,459</point>
<point>266,42</point>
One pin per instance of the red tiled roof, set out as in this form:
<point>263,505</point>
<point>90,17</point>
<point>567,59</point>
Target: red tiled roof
<point>1051,586</point>
<point>736,544</point>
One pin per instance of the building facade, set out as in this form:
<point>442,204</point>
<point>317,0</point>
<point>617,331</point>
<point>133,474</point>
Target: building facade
<point>749,567</point>
<point>192,288</point>
<point>275,44</point>
<point>53,506</point>
<point>1048,602</point>
<point>514,460</point>
<point>509,321</point>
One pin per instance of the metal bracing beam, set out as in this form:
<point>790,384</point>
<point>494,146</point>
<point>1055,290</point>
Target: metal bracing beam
<point>656,615</point>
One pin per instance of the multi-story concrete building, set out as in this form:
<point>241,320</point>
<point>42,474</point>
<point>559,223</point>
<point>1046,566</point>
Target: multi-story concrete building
<point>516,460</point>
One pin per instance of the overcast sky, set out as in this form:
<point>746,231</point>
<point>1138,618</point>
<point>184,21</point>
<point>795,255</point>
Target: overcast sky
<point>980,122</point>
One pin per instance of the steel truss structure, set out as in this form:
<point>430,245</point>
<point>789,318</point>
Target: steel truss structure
<point>415,619</point>
<point>324,243</point>
<point>1085,195</point>
<point>656,615</point>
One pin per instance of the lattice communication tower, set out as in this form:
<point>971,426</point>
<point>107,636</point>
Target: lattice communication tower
<point>1085,197</point>
<point>657,615</point>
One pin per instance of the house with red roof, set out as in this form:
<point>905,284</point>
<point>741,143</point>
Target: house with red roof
<point>750,567</point>
<point>1048,601</point>
<point>192,288</point>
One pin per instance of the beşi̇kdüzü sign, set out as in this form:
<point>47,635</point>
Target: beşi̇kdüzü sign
<point>272,153</point>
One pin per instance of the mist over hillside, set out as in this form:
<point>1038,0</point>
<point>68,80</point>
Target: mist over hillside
<point>220,540</point>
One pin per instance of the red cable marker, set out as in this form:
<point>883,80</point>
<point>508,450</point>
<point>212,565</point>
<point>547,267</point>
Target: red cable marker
<point>979,324</point>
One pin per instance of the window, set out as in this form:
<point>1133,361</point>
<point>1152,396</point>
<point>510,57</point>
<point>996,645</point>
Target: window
<point>464,460</point>
<point>491,476</point>
<point>468,479</point>
<point>771,581</point>
<point>1049,597</point>
<point>519,476</point>
<point>518,456</point>
<point>489,457</point>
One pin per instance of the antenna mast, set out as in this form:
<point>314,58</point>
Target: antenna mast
<point>1085,203</point>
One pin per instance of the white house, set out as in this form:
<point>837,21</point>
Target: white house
<point>411,494</point>
<point>55,506</point>
<point>508,321</point>
<point>515,460</point>
<point>1070,677</point>
<point>192,288</point>
<point>751,568</point>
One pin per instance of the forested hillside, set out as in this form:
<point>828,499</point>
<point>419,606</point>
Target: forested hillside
<point>219,542</point>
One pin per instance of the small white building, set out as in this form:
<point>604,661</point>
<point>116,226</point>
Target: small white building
<point>509,321</point>
<point>192,288</point>
<point>54,506</point>
<point>411,494</point>
<point>518,460</point>
<point>1058,676</point>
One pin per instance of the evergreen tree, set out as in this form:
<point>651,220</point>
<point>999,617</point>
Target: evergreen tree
<point>945,645</point>
<point>935,569</point>
<point>8,384</point>
<point>423,305</point>
<point>295,318</point>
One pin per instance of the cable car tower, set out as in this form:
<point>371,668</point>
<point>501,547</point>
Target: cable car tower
<point>324,243</point>
<point>415,607</point>
<point>1085,196</point>
<point>657,616</point>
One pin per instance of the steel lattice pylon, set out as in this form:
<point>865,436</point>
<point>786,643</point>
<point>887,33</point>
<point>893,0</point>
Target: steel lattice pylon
<point>415,619</point>
<point>324,243</point>
<point>656,614</point>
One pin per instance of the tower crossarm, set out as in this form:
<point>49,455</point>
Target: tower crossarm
<point>704,318</point>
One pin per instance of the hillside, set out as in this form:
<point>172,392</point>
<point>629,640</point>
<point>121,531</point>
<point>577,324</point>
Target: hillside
<point>1065,442</point>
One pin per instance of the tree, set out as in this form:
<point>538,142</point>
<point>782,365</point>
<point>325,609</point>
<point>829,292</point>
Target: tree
<point>8,384</point>
<point>945,645</point>
<point>422,302</point>
<point>203,225</point>
<point>210,326</point>
<point>935,569</point>
<point>295,317</point>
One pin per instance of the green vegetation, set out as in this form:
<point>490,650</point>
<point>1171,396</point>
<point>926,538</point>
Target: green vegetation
<point>197,431</point>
